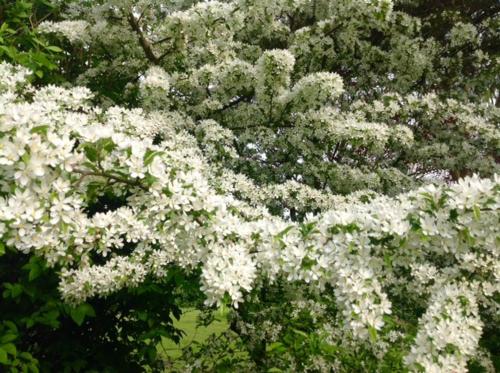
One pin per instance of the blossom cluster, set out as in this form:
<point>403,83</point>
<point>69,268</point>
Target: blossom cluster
<point>315,90</point>
<point>449,331</point>
<point>59,155</point>
<point>290,193</point>
<point>155,77</point>
<point>265,71</point>
<point>74,31</point>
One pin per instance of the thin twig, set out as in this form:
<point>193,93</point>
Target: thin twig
<point>117,178</point>
<point>145,44</point>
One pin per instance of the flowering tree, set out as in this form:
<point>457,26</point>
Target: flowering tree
<point>328,148</point>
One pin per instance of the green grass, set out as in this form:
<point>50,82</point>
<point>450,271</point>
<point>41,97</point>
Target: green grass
<point>193,333</point>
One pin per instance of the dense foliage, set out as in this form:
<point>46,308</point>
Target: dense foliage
<point>328,169</point>
<point>20,41</point>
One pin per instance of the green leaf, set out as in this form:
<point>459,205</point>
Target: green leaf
<point>142,315</point>
<point>10,348</point>
<point>25,355</point>
<point>307,263</point>
<point>79,313</point>
<point>90,153</point>
<point>276,347</point>
<point>8,338</point>
<point>38,41</point>
<point>373,333</point>
<point>3,357</point>
<point>151,353</point>
<point>30,322</point>
<point>49,318</point>
<point>107,144</point>
<point>41,59</point>
<point>9,51</point>
<point>40,129</point>
<point>53,48</point>
<point>149,156</point>
<point>328,348</point>
<point>2,249</point>
<point>14,290</point>
<point>477,212</point>
<point>284,231</point>
<point>300,332</point>
<point>39,73</point>
<point>12,327</point>
<point>78,316</point>
<point>34,273</point>
<point>35,267</point>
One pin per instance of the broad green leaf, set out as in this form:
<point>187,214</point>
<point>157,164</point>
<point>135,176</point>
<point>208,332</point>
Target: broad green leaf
<point>3,356</point>
<point>6,338</point>
<point>10,348</point>
<point>90,153</point>
<point>79,313</point>
<point>40,129</point>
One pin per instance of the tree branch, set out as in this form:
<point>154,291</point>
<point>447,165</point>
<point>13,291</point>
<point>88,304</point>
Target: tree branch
<point>109,176</point>
<point>234,103</point>
<point>145,44</point>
